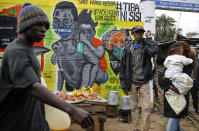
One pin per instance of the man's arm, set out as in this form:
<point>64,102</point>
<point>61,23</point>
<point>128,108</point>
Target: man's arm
<point>79,115</point>
<point>151,47</point>
<point>97,51</point>
<point>122,73</point>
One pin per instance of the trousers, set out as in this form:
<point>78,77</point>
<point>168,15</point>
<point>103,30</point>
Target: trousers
<point>141,92</point>
<point>174,124</point>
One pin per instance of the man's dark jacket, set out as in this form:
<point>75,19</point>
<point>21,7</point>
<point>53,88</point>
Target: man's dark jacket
<point>150,47</point>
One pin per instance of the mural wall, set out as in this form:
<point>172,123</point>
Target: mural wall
<point>84,44</point>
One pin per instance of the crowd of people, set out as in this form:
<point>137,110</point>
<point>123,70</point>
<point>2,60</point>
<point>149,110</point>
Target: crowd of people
<point>22,96</point>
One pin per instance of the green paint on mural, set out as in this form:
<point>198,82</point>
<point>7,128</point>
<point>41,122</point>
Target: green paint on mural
<point>50,38</point>
<point>4,14</point>
<point>14,11</point>
<point>113,82</point>
<point>104,27</point>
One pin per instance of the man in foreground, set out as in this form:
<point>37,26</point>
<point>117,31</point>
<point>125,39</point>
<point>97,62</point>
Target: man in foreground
<point>22,96</point>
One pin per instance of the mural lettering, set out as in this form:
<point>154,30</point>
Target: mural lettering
<point>105,15</point>
<point>128,11</point>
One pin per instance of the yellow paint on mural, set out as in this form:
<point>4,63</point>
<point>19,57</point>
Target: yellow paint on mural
<point>99,9</point>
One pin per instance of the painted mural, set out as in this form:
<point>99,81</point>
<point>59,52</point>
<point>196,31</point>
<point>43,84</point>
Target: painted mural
<point>84,44</point>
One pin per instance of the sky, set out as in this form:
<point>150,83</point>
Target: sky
<point>189,22</point>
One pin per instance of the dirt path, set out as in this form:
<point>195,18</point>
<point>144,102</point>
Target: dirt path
<point>158,123</point>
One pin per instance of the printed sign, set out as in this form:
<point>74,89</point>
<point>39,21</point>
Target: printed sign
<point>181,5</point>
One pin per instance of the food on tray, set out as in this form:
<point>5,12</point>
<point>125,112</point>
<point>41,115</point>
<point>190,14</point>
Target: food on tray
<point>85,93</point>
<point>80,97</point>
<point>85,89</point>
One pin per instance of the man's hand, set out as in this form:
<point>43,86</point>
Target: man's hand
<point>174,89</point>
<point>82,117</point>
<point>148,33</point>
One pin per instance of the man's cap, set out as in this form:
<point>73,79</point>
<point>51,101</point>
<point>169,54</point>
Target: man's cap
<point>31,15</point>
<point>136,28</point>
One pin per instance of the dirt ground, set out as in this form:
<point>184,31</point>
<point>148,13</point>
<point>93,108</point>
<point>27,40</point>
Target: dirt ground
<point>158,123</point>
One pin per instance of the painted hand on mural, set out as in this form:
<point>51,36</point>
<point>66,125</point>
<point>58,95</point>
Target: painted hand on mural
<point>87,32</point>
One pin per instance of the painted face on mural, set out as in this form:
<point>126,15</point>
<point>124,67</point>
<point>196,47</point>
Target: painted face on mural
<point>63,22</point>
<point>88,31</point>
<point>118,40</point>
<point>117,44</point>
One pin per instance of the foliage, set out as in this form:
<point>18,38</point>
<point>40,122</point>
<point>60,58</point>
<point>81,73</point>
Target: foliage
<point>166,28</point>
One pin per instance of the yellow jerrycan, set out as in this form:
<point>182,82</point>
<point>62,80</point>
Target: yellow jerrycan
<point>57,119</point>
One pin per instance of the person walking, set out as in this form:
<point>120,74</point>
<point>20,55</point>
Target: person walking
<point>174,64</point>
<point>195,88</point>
<point>135,73</point>
<point>166,84</point>
<point>22,96</point>
<point>158,93</point>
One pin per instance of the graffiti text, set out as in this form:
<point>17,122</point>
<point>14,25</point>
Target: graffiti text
<point>105,15</point>
<point>129,11</point>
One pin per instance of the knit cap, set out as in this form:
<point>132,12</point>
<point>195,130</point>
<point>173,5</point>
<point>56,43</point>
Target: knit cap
<point>31,15</point>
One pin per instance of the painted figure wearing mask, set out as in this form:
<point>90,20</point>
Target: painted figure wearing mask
<point>117,44</point>
<point>64,22</point>
<point>93,50</point>
<point>72,52</point>
<point>115,41</point>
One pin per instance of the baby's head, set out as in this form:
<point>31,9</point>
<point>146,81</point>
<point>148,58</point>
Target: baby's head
<point>176,48</point>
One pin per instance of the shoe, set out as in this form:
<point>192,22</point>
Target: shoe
<point>197,111</point>
<point>160,113</point>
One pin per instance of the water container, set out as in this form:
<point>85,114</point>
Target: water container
<point>113,98</point>
<point>125,103</point>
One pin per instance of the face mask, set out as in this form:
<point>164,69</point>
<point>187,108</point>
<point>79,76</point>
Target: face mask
<point>117,51</point>
<point>62,31</point>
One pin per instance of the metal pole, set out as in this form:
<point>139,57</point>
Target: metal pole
<point>175,35</point>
